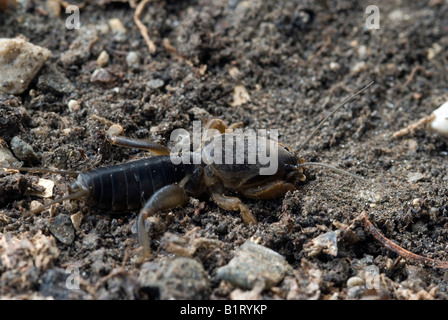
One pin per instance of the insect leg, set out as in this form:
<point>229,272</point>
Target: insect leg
<point>272,190</point>
<point>114,137</point>
<point>218,126</point>
<point>233,203</point>
<point>153,147</point>
<point>168,197</point>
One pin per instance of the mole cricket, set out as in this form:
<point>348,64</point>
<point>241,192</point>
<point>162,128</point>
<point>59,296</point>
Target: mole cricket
<point>159,183</point>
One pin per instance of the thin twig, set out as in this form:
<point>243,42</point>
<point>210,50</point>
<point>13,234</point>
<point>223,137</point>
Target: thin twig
<point>405,254</point>
<point>411,76</point>
<point>413,126</point>
<point>326,44</point>
<point>142,27</point>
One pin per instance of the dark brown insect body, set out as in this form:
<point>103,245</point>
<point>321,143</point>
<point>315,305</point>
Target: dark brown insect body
<point>156,183</point>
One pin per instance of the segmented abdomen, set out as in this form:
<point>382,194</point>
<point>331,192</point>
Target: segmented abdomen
<point>128,186</point>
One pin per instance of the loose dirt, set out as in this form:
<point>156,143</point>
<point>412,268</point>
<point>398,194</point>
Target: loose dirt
<point>272,65</point>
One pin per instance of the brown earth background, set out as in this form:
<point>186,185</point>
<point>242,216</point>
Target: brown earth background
<point>296,60</point>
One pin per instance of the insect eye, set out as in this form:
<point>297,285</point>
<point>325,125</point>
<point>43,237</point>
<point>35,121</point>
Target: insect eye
<point>290,167</point>
<point>285,147</point>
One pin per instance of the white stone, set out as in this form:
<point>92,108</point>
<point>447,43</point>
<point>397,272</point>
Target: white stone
<point>74,105</point>
<point>440,122</point>
<point>133,59</point>
<point>359,66</point>
<point>7,159</point>
<point>103,59</point>
<point>116,25</point>
<point>20,61</point>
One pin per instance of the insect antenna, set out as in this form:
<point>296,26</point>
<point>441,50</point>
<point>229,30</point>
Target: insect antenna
<point>42,170</point>
<point>319,126</point>
<point>340,171</point>
<point>327,117</point>
<point>75,195</point>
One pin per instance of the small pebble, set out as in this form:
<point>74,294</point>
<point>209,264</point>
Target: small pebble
<point>77,219</point>
<point>434,51</point>
<point>133,59</point>
<point>116,25</point>
<point>102,76</point>
<point>234,72</point>
<point>47,189</point>
<point>415,176</point>
<point>7,159</point>
<point>74,105</point>
<point>434,210</point>
<point>180,278</point>
<point>398,15</point>
<point>390,264</point>
<point>254,263</point>
<point>222,229</point>
<point>334,66</point>
<point>62,229</point>
<point>412,145</point>
<point>359,66</point>
<point>417,95</point>
<point>240,96</point>
<point>24,151</point>
<point>103,59</point>
<point>155,84</point>
<point>440,122</point>
<point>363,51</point>
<point>102,28</point>
<point>34,205</point>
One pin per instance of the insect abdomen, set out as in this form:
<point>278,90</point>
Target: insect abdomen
<point>128,186</point>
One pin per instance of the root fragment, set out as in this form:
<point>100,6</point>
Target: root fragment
<point>414,126</point>
<point>142,27</point>
<point>405,254</point>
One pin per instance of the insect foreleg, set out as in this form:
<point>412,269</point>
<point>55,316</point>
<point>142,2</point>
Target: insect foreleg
<point>234,204</point>
<point>168,197</point>
<point>218,126</point>
<point>114,137</point>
